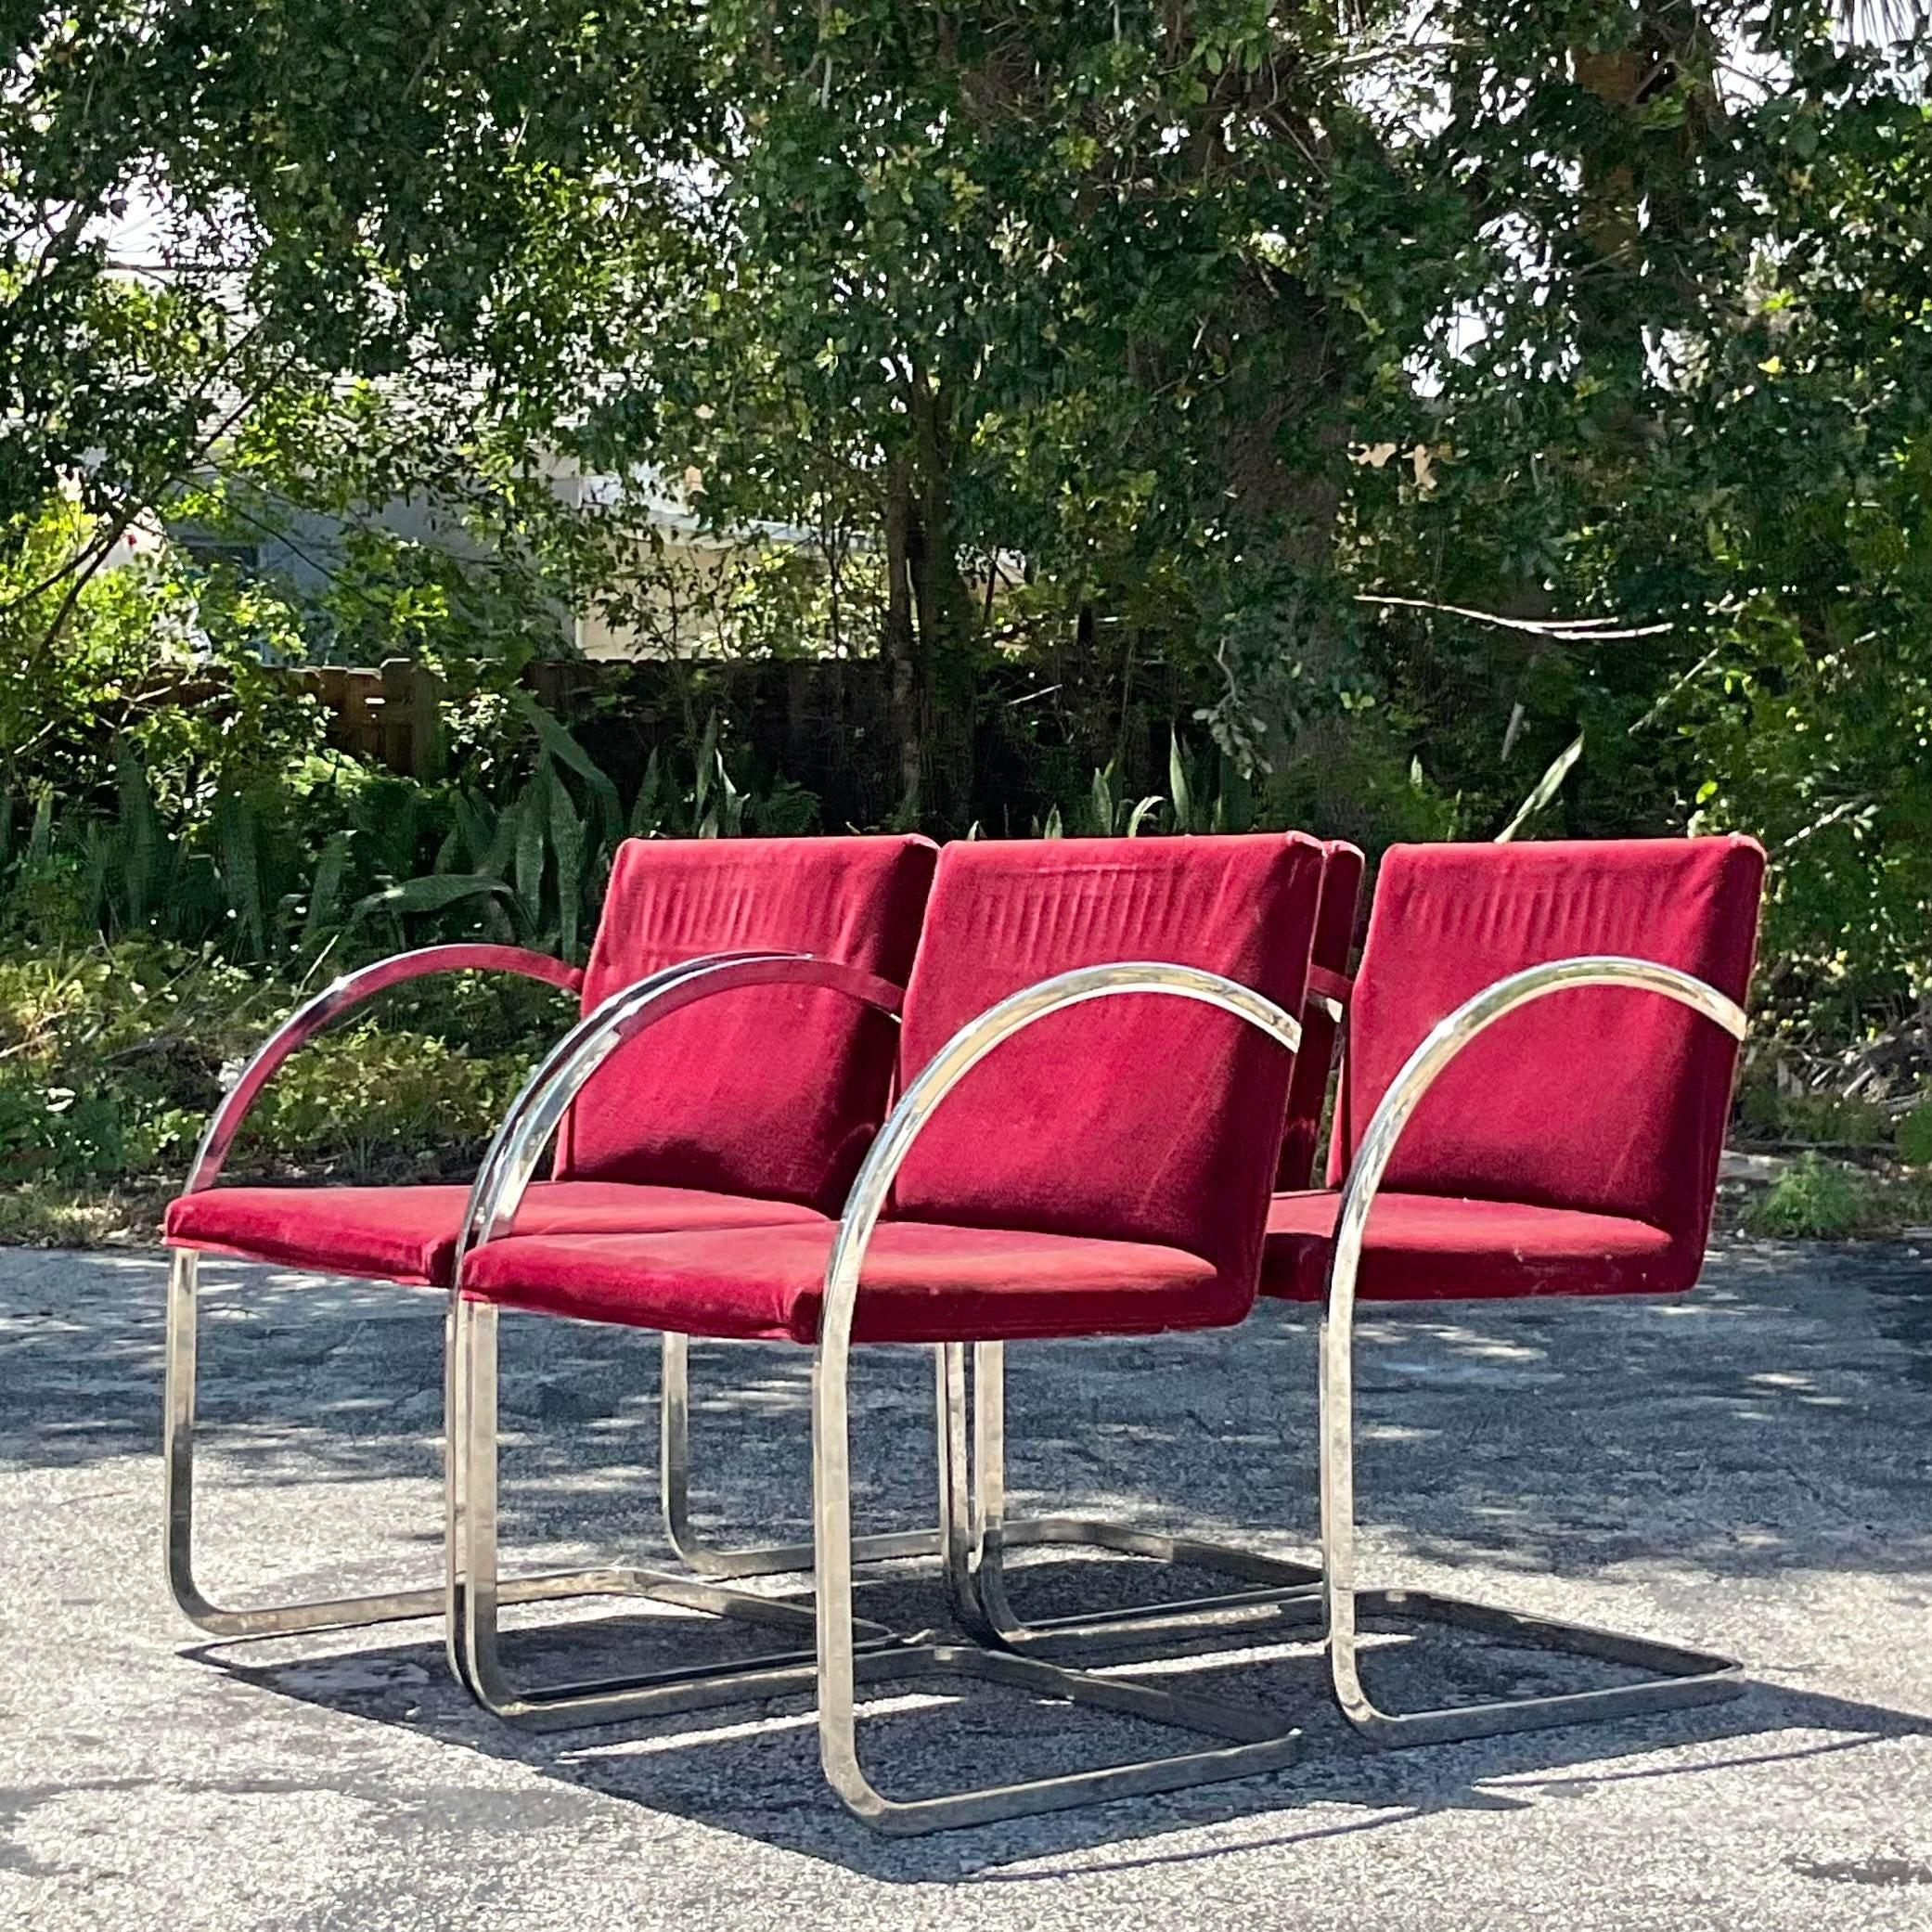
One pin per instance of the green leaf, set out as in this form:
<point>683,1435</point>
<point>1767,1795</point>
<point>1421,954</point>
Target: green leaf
<point>568,840</point>
<point>1103,802</point>
<point>143,839</point>
<point>647,813</point>
<point>1547,787</point>
<point>707,766</point>
<point>431,893</point>
<point>1183,794</point>
<point>559,744</point>
<point>240,855</point>
<point>532,815</point>
<point>325,889</point>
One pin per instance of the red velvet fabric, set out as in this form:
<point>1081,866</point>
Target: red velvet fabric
<point>1307,1092</point>
<point>1596,1101</point>
<point>922,1283</point>
<point>409,1234</point>
<point>769,1090</point>
<point>751,1108</point>
<point>1139,1118</point>
<point>1435,1247</point>
<point>1104,1171</point>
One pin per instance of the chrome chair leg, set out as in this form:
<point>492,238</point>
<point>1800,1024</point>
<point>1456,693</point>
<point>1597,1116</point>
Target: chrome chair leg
<point>475,1592</point>
<point>1285,1596</point>
<point>1681,1675</point>
<point>1273,1576</point>
<point>178,1485</point>
<point>764,1560</point>
<point>1260,1745</point>
<point>290,1619</point>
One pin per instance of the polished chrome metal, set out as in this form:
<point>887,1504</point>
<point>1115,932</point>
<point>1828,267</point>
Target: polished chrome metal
<point>351,990</point>
<point>286,1618</point>
<point>831,1485</point>
<point>759,1560</point>
<point>537,1112</point>
<point>1685,1676</point>
<point>618,1017</point>
<point>474,1592</point>
<point>1287,1595</point>
<point>182,1324</point>
<point>1275,1580</point>
<point>1279,1581</point>
<point>472,1589</point>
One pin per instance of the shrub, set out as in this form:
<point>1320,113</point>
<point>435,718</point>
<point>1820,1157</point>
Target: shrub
<point>1818,1200</point>
<point>380,1104</point>
<point>1913,1136</point>
<point>111,1059</point>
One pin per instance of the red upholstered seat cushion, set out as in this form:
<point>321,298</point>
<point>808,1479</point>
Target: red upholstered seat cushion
<point>1435,1248</point>
<point>409,1234</point>
<point>768,1090</point>
<point>921,1283</point>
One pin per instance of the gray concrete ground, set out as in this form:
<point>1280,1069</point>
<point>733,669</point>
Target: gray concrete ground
<point>1750,1470</point>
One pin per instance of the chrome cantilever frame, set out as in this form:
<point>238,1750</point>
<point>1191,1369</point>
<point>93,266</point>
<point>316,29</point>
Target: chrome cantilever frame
<point>1280,1589</point>
<point>1681,1675</point>
<point>474,1592</point>
<point>178,1412</point>
<point>178,1424</point>
<point>1261,1746</point>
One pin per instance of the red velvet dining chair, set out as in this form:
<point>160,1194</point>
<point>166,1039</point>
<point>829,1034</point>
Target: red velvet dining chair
<point>1107,1175</point>
<point>753,1106</point>
<point>1541,1045</point>
<point>1277,1586</point>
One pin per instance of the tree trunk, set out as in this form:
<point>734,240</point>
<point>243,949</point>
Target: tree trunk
<point>942,612</point>
<point>904,692</point>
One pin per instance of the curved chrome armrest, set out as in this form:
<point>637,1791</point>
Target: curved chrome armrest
<point>336,999</point>
<point>966,1049</point>
<point>1336,1347</point>
<point>537,1111</point>
<point>1450,1035</point>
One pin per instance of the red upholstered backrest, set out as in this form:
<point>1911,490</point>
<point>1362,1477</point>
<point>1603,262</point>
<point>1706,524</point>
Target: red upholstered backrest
<point>1335,934</point>
<point>1140,1116</point>
<point>768,1090</point>
<point>1606,1099</point>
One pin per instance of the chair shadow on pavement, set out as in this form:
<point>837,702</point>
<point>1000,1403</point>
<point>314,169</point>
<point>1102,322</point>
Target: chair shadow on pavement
<point>753,1770</point>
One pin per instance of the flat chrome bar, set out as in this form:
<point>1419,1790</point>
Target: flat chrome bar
<point>1685,1676</point>
<point>1692,1677</point>
<point>475,1595</point>
<point>547,1096</point>
<point>321,1614</point>
<point>763,1560</point>
<point>832,1481</point>
<point>335,999</point>
<point>506,1171</point>
<point>618,1017</point>
<point>1288,1595</point>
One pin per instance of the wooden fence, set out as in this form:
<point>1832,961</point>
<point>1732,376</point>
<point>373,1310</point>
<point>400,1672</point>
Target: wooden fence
<point>391,715</point>
<point>821,723</point>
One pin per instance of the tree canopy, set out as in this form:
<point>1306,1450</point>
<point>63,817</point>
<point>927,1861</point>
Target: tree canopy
<point>1396,397</point>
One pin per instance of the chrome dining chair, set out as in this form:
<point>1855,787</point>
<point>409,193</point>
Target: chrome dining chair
<point>1107,1175</point>
<point>1541,1045</point>
<point>752,1104</point>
